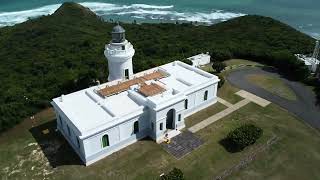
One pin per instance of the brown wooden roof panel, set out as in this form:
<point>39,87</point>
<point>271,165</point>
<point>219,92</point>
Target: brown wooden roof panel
<point>123,86</point>
<point>151,89</point>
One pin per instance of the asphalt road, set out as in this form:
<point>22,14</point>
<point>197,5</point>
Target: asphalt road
<point>304,107</point>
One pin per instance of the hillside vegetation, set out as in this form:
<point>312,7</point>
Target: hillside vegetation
<point>57,54</point>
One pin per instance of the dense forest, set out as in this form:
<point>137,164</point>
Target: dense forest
<point>63,52</point>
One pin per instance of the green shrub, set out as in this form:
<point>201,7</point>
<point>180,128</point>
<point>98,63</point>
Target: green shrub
<point>242,137</point>
<point>174,174</point>
<point>218,66</point>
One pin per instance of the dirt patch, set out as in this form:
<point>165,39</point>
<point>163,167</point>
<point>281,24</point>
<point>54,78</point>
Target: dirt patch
<point>33,159</point>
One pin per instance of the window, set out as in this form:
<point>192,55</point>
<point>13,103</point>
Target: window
<point>136,127</point>
<point>161,126</point>
<point>105,140</point>
<point>186,104</point>
<point>152,126</point>
<point>123,47</point>
<point>205,97</point>
<point>126,73</point>
<point>179,117</point>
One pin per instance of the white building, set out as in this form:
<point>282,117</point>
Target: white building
<point>100,120</point>
<point>200,59</point>
<point>311,62</point>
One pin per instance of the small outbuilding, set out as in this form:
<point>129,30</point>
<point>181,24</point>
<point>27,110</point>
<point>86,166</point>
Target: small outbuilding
<point>200,59</point>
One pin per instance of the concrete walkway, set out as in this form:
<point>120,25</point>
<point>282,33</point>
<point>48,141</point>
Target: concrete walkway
<point>218,116</point>
<point>224,102</point>
<point>256,99</point>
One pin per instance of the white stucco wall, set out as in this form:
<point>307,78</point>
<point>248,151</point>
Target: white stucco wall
<point>197,98</point>
<point>117,135</point>
<point>62,123</point>
<point>119,60</point>
<point>200,59</point>
<point>161,115</point>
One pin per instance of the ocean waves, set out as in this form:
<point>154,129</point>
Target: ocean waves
<point>11,18</point>
<point>144,12</point>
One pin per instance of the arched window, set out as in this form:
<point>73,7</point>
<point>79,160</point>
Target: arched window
<point>186,104</point>
<point>105,140</point>
<point>136,127</point>
<point>205,97</point>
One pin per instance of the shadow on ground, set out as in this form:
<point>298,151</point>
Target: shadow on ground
<point>54,146</point>
<point>228,146</point>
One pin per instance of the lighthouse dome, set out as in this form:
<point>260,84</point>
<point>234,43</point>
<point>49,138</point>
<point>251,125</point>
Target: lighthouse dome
<point>118,29</point>
<point>118,34</point>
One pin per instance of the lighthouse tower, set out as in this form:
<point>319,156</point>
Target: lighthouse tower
<point>119,53</point>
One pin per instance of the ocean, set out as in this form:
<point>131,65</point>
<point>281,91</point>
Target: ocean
<point>303,15</point>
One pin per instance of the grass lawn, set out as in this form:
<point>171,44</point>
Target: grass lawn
<point>227,91</point>
<point>204,114</point>
<point>27,153</point>
<point>234,62</point>
<point>273,85</point>
<point>295,155</point>
<point>207,68</point>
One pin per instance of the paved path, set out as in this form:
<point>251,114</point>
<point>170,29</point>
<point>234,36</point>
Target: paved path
<point>256,99</point>
<point>224,102</point>
<point>182,144</point>
<point>218,116</point>
<point>304,107</point>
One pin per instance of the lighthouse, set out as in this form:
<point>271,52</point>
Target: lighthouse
<point>119,53</point>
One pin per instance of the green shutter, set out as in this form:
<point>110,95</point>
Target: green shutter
<point>105,141</point>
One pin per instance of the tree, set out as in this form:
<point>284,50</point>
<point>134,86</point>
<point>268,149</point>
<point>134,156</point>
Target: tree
<point>221,55</point>
<point>218,66</point>
<point>289,65</point>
